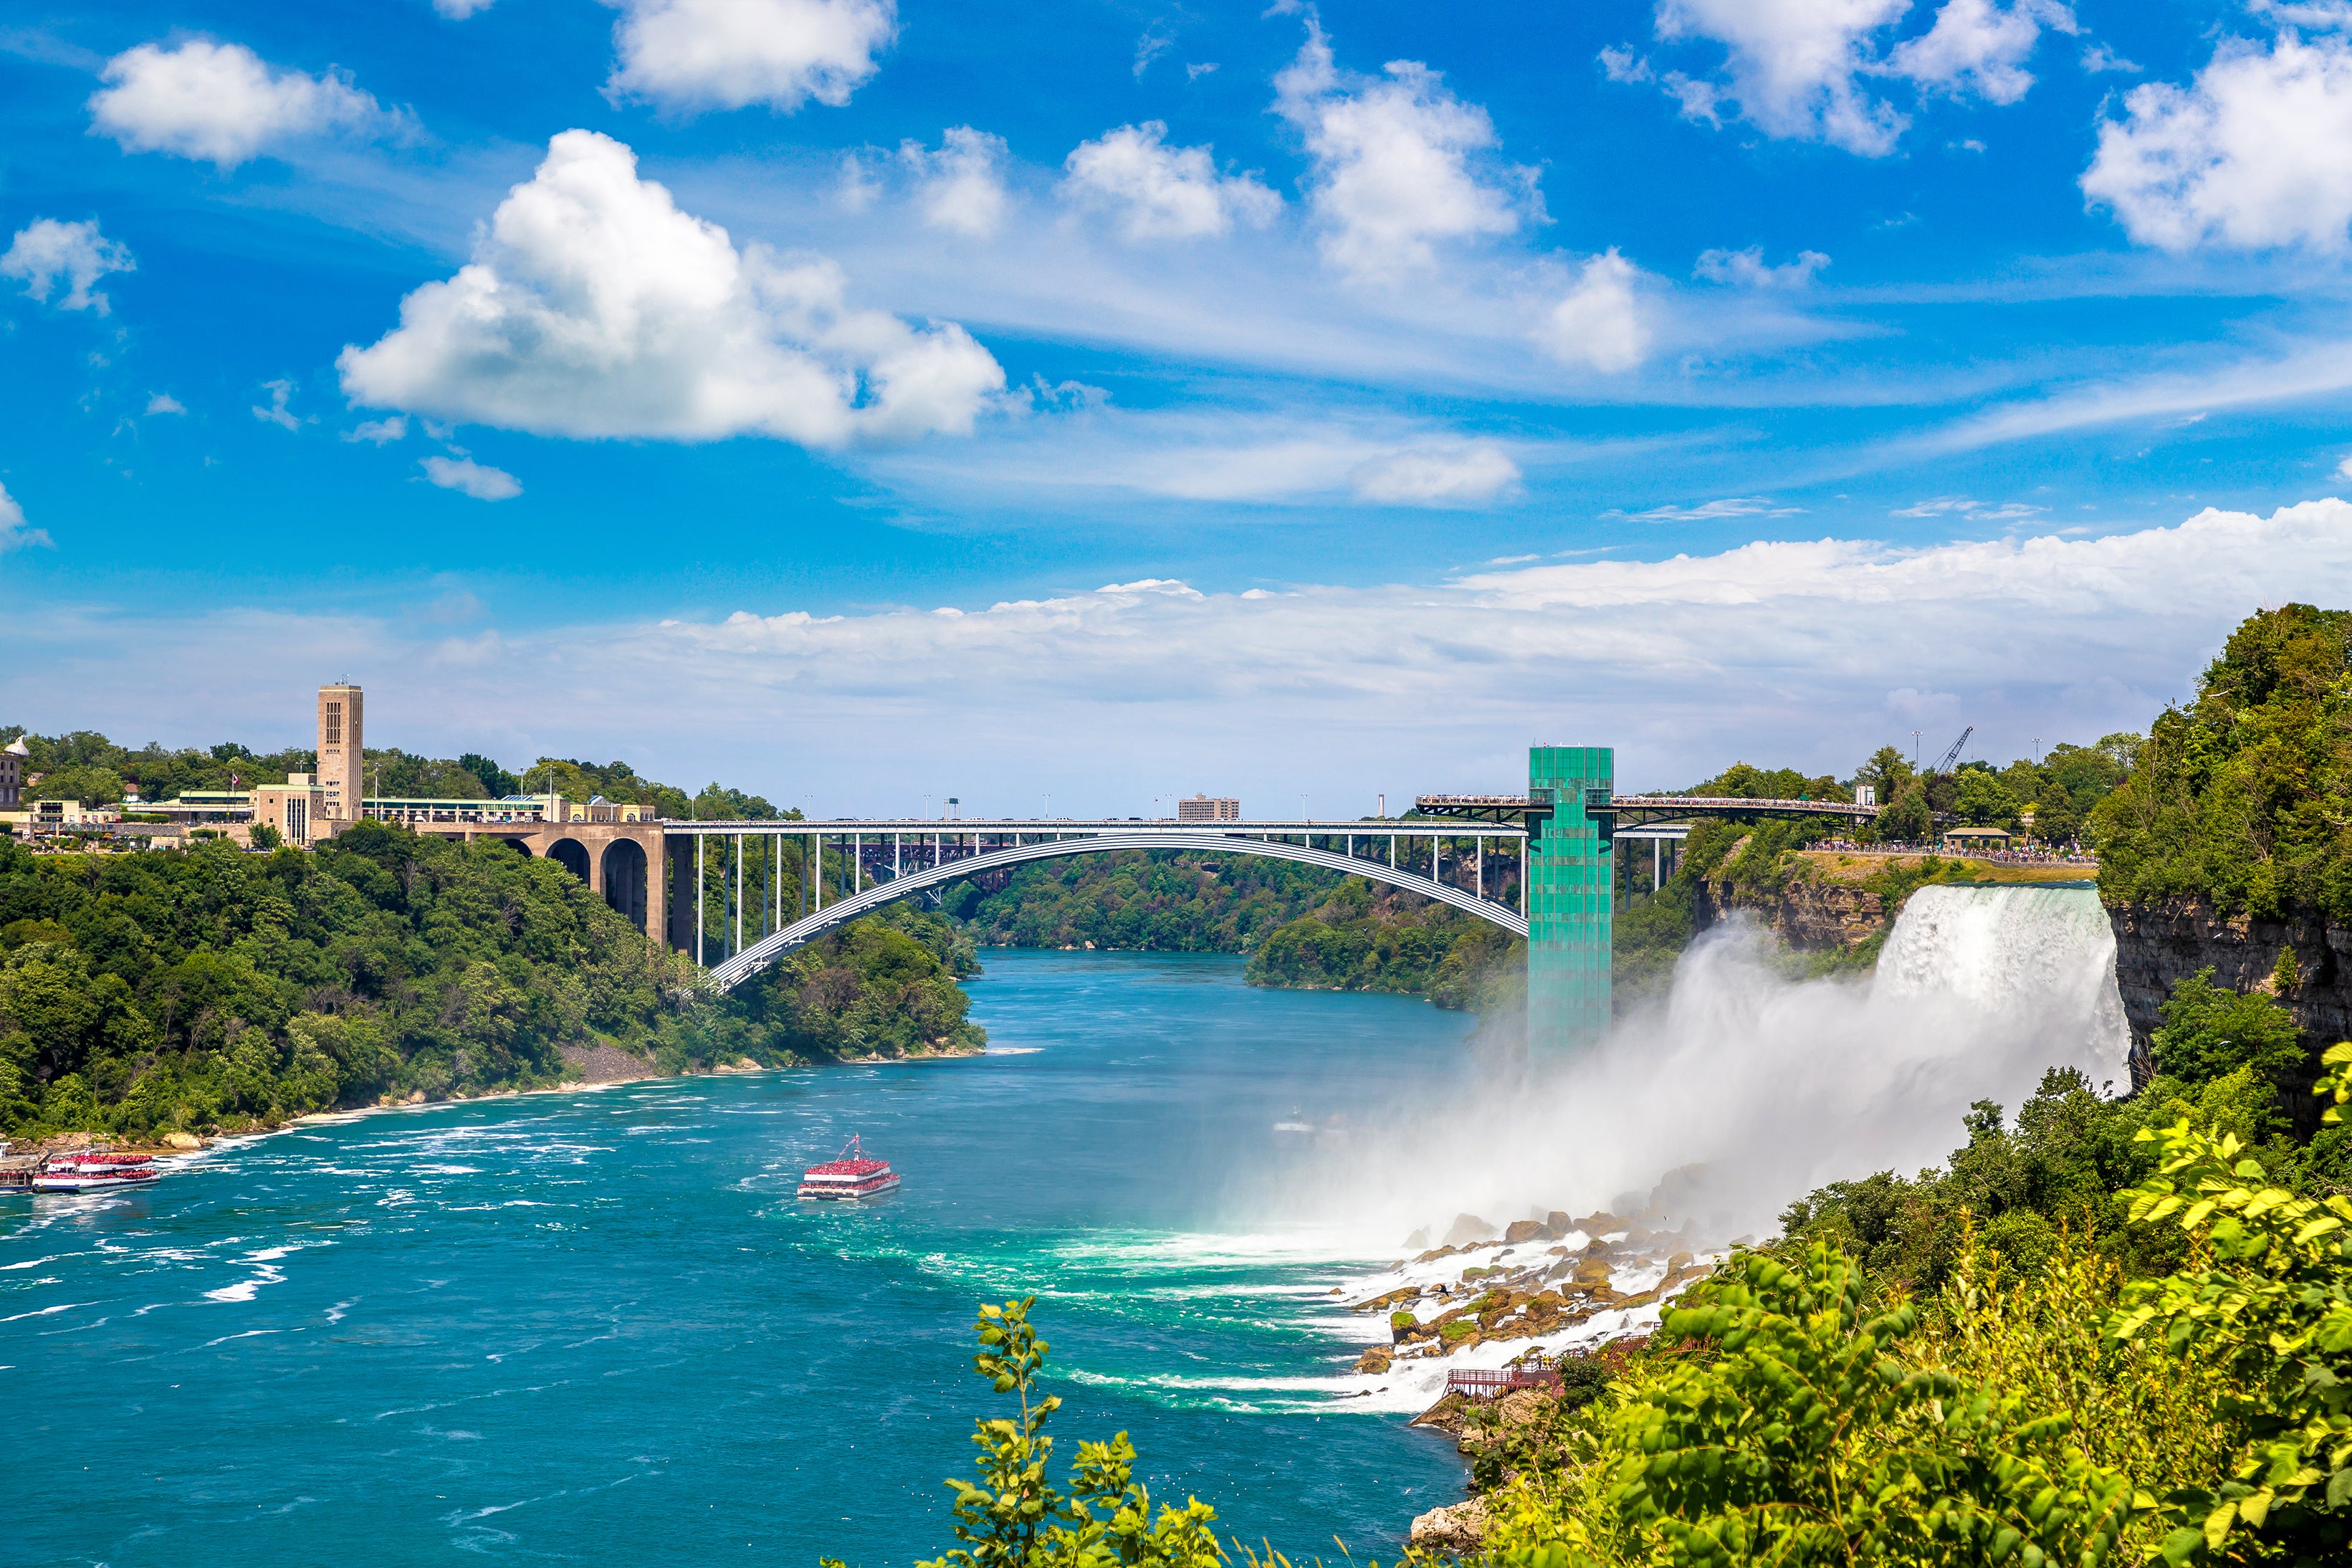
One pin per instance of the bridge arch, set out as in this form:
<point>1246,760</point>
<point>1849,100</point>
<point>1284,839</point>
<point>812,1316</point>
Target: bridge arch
<point>572,855</point>
<point>624,879</point>
<point>734,971</point>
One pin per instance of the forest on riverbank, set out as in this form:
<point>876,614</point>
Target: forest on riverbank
<point>184,990</point>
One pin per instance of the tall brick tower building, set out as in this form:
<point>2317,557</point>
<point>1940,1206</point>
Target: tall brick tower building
<point>340,760</point>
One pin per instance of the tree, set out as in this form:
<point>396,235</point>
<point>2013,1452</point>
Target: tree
<point>2209,1032</point>
<point>1013,1516</point>
<point>1888,771</point>
<point>2274,1305</point>
<point>1907,820</point>
<point>496,781</point>
<point>1984,800</point>
<point>264,836</point>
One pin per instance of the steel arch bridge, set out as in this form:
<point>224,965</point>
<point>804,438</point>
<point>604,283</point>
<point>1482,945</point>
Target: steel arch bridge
<point>759,955</point>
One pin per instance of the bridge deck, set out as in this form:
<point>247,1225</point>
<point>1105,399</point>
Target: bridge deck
<point>965,827</point>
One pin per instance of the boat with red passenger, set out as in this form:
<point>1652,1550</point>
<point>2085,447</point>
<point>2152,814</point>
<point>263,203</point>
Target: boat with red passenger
<point>849,1174</point>
<point>88,1171</point>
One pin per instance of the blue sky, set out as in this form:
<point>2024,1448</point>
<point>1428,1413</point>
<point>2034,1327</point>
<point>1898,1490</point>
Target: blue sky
<point>870,401</point>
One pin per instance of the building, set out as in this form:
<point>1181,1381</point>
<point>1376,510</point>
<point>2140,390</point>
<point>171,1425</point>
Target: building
<point>12,774</point>
<point>297,809</point>
<point>341,754</point>
<point>1206,808</point>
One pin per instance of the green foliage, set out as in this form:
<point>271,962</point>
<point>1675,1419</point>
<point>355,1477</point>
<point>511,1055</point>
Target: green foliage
<point>262,835</point>
<point>183,989</point>
<point>85,766</point>
<point>1804,1440</point>
<point>1013,1516</point>
<point>2237,797</point>
<point>1153,902</point>
<point>1907,818</point>
<point>619,782</point>
<point>2271,1302</point>
<point>1366,938</point>
<point>496,782</point>
<point>1984,800</point>
<point>2209,1032</point>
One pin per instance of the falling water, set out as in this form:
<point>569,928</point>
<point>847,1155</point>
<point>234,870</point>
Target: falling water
<point>1769,1085</point>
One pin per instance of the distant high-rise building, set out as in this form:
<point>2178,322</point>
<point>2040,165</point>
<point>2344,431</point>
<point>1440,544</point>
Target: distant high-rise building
<point>1206,808</point>
<point>340,759</point>
<point>11,773</point>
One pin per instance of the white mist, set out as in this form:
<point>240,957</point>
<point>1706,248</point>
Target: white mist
<point>1772,1086</point>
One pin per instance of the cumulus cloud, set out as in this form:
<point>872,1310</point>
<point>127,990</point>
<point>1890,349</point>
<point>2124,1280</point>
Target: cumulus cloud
<point>593,307</point>
<point>14,534</point>
<point>164,402</point>
<point>1978,48</point>
<point>727,54</point>
<point>459,10</point>
<point>1599,321</point>
<point>46,253</point>
<point>1436,477</point>
<point>1801,69</point>
<point>222,103</point>
<point>2255,152</point>
<point>473,478</point>
<point>1745,268</point>
<point>1396,164</point>
<point>957,186</point>
<point>1160,192</point>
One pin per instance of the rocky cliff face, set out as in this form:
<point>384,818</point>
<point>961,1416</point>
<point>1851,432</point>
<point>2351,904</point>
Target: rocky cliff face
<point>2159,942</point>
<point>1812,916</point>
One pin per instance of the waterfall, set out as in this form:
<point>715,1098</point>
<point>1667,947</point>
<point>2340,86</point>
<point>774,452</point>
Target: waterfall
<point>2029,956</point>
<point>1769,1085</point>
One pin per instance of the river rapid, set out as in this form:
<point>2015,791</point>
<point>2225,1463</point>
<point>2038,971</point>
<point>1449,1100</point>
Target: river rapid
<point>598,1325</point>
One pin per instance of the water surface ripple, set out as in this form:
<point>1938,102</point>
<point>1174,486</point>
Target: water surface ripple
<point>598,1326</point>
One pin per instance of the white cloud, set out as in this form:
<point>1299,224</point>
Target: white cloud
<point>1975,511</point>
<point>14,534</point>
<point>1162,191</point>
<point>2344,468</point>
<point>379,431</point>
<point>1745,268</point>
<point>1798,67</point>
<point>222,103</point>
<point>1713,510</point>
<point>277,414</point>
<point>164,402</point>
<point>1780,651</point>
<point>958,187</point>
<point>459,10</point>
<point>472,477</point>
<point>2098,58</point>
<point>1394,162</point>
<point>726,54</point>
<point>593,307</point>
<point>1598,323</point>
<point>2256,153</point>
<point>1435,477</point>
<point>1977,48</point>
<point>47,252</point>
<point>1793,64</point>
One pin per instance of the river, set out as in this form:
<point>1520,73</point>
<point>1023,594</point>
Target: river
<point>598,1326</point>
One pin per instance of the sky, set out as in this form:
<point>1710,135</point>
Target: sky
<point>1091,402</point>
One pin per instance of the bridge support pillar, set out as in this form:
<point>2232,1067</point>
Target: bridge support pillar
<point>1569,896</point>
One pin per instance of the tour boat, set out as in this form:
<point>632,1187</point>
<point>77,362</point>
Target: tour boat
<point>849,1174</point>
<point>89,1171</point>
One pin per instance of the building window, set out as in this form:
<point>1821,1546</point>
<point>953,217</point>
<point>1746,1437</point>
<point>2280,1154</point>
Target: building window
<point>334,723</point>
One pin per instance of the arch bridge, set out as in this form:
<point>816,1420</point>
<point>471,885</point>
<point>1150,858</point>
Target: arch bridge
<point>1539,865</point>
<point>1471,868</point>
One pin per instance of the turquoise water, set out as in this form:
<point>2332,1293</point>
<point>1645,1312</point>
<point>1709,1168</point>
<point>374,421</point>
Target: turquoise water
<point>598,1326</point>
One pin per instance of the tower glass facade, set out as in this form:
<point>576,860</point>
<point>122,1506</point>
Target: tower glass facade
<point>1571,902</point>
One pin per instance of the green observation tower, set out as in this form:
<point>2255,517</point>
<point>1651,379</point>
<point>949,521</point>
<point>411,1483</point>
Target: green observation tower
<point>1570,899</point>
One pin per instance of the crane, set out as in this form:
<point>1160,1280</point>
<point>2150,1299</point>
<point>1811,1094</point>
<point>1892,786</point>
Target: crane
<point>1954,754</point>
